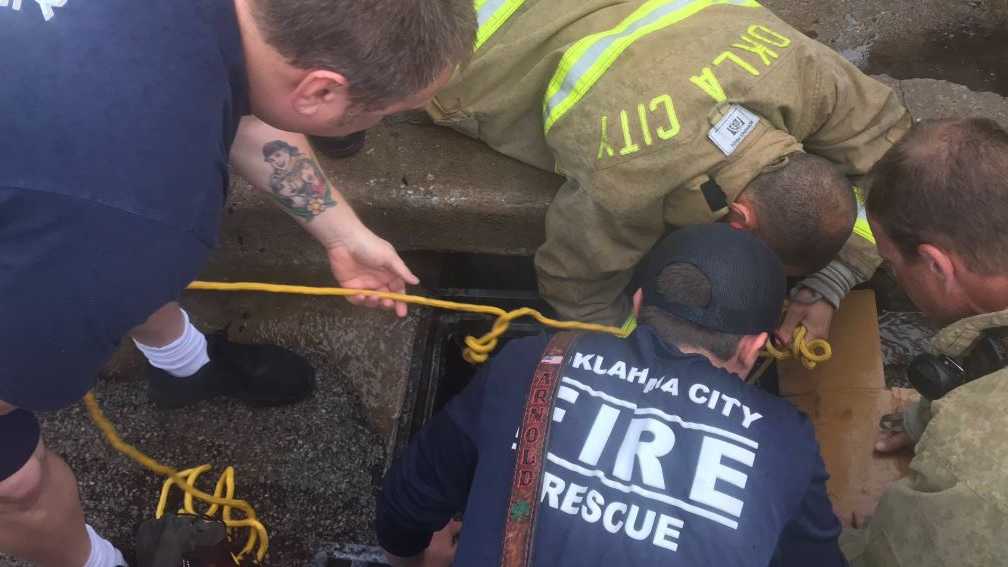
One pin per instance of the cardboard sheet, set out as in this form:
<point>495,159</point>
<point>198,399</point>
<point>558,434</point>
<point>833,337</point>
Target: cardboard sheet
<point>845,398</point>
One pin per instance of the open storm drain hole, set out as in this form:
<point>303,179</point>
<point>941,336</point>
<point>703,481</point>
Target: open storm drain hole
<point>438,371</point>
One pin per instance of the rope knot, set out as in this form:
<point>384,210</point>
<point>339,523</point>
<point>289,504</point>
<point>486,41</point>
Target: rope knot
<point>809,353</point>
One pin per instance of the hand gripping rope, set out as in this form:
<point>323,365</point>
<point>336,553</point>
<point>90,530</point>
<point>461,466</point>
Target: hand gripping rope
<point>809,353</point>
<point>477,351</point>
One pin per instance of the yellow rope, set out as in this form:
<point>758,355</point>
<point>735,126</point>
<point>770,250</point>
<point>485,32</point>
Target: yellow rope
<point>810,353</point>
<point>477,351</point>
<point>221,500</point>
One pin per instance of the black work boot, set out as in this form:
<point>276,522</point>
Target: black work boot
<point>259,374</point>
<point>341,146</point>
<point>182,541</point>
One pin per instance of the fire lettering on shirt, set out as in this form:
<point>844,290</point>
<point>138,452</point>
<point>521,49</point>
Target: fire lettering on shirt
<point>46,6</point>
<point>639,451</point>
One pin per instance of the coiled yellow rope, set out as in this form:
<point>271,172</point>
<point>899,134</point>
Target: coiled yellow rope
<point>477,351</point>
<point>810,353</point>
<point>222,500</point>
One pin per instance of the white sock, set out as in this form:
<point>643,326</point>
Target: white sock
<point>103,553</point>
<point>184,356</point>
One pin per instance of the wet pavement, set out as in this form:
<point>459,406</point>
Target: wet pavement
<point>971,57</point>
<point>904,335</point>
<point>309,469</point>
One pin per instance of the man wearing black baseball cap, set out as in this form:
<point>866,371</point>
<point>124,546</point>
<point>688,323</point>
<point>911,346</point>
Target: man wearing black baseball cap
<point>655,451</point>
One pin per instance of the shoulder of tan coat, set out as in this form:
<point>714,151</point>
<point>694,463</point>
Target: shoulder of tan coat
<point>964,441</point>
<point>956,339</point>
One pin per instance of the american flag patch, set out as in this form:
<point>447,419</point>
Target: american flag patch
<point>552,359</point>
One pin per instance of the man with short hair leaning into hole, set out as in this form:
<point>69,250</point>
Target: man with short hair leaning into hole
<point>663,114</point>
<point>938,204</point>
<point>655,452</point>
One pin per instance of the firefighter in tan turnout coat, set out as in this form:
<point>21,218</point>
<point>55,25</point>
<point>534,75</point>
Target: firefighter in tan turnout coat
<point>659,114</point>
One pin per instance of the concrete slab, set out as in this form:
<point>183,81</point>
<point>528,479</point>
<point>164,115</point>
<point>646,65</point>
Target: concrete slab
<point>928,98</point>
<point>422,187</point>
<point>910,38</point>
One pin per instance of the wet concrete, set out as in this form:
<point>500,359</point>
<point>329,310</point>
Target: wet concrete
<point>859,29</point>
<point>975,58</point>
<point>930,98</point>
<point>904,335</point>
<point>904,332</point>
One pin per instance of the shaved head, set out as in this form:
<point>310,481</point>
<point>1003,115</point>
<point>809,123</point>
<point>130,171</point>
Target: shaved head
<point>805,210</point>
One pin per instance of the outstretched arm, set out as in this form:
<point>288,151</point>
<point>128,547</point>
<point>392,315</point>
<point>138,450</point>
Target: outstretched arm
<point>283,165</point>
<point>865,119</point>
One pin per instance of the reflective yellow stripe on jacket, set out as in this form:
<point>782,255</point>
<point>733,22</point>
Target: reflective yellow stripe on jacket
<point>861,226</point>
<point>491,15</point>
<point>584,63</point>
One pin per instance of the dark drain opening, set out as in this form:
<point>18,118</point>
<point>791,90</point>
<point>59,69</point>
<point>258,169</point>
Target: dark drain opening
<point>451,271</point>
<point>438,372</point>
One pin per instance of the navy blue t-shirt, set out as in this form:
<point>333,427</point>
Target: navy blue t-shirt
<point>117,122</point>
<point>654,458</point>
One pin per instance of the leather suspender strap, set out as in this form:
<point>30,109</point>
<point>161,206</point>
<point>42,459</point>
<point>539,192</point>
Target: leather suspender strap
<point>531,453</point>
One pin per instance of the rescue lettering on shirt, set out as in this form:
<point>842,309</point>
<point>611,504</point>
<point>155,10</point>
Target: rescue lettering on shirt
<point>615,516</point>
<point>639,472</point>
<point>698,394</point>
<point>46,6</point>
<point>627,131</point>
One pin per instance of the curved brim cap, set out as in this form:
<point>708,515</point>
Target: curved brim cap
<point>747,279</point>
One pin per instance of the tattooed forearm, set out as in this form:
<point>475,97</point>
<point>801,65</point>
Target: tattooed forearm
<point>297,181</point>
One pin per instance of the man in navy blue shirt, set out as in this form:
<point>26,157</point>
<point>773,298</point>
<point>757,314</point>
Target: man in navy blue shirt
<point>120,121</point>
<point>658,453</point>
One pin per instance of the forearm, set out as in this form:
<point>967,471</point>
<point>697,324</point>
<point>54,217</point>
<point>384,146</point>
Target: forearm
<point>603,300</point>
<point>424,488</point>
<point>854,265</point>
<point>590,253</point>
<point>283,165</point>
